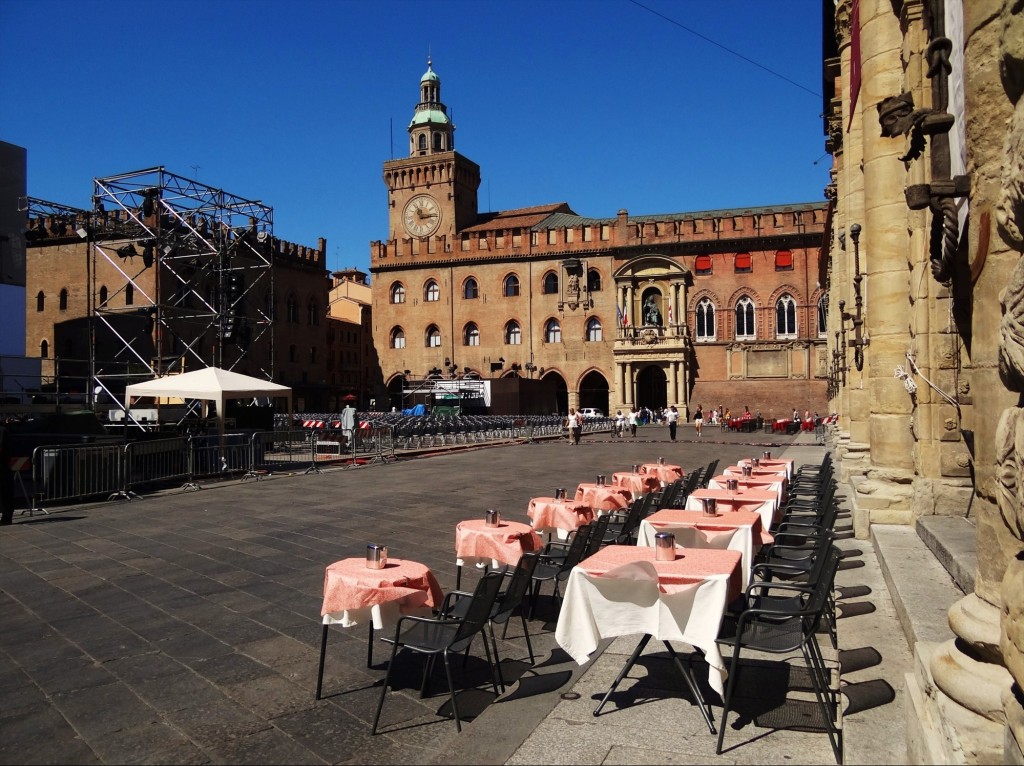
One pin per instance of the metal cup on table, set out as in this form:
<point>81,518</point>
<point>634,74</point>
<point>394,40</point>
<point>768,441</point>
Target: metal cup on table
<point>755,462</point>
<point>600,480</point>
<point>732,485</point>
<point>747,470</point>
<point>376,556</point>
<point>635,467</point>
<point>664,546</point>
<point>661,461</point>
<point>492,518</point>
<point>766,455</point>
<point>710,506</point>
<point>560,493</point>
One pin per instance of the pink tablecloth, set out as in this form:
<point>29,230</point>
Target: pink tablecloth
<point>637,483</point>
<point>772,464</point>
<point>352,592</point>
<point>761,501</point>
<point>476,543</point>
<point>563,516</point>
<point>607,498</point>
<point>774,483</point>
<point>666,473</point>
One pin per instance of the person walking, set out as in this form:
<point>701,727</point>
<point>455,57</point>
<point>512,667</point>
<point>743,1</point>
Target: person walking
<point>672,418</point>
<point>698,419</point>
<point>620,424</point>
<point>632,419</point>
<point>575,424</point>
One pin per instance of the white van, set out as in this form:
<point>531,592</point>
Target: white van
<point>591,412</point>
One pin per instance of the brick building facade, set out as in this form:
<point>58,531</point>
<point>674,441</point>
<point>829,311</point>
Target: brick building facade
<point>711,307</point>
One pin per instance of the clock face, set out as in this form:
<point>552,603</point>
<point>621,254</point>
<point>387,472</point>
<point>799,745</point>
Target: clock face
<point>422,216</point>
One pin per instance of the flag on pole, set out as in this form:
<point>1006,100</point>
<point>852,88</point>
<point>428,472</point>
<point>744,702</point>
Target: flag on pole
<point>622,318</point>
<point>670,320</point>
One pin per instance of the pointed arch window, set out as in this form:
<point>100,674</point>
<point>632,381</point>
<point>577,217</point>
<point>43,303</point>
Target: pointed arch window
<point>40,301</point>
<point>552,331</point>
<point>471,335</point>
<point>823,315</point>
<point>398,338</point>
<point>293,310</point>
<point>594,330</point>
<point>103,295</point>
<point>510,287</point>
<point>470,289</point>
<point>431,291</point>
<point>785,317</point>
<point>551,283</point>
<point>593,281</point>
<point>433,337</point>
<point>313,314</point>
<point>63,299</point>
<point>745,328</point>
<point>129,295</point>
<point>513,333</point>
<point>705,320</point>
<point>398,293</point>
<point>44,350</point>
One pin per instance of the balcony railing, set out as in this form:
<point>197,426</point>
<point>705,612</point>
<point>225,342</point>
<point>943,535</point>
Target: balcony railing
<point>649,335</point>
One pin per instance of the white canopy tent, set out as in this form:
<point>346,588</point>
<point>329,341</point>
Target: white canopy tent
<point>209,384</point>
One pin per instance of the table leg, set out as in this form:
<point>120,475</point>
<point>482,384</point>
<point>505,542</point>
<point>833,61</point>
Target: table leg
<point>625,670</point>
<point>323,653</point>
<point>691,682</point>
<point>458,576</point>
<point>369,646</point>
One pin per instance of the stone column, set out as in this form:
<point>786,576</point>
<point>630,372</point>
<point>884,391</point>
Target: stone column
<point>629,383</point>
<point>672,383</point>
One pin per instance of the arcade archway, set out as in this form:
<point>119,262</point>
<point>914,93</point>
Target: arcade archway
<point>594,391</point>
<point>652,387</point>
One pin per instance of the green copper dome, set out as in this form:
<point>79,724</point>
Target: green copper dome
<point>425,116</point>
<point>430,75</point>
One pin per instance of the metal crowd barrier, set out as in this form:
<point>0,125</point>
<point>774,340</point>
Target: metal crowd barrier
<point>277,450</point>
<point>155,461</point>
<point>75,472</point>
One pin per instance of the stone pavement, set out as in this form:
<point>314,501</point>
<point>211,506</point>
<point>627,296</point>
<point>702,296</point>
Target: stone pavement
<point>184,628</point>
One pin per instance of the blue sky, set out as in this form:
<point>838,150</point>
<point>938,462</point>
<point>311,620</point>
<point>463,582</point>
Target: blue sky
<point>604,104</point>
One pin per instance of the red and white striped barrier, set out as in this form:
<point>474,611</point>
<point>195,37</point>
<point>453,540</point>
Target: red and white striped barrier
<point>19,464</point>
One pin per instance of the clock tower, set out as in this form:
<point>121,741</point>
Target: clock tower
<point>432,192</point>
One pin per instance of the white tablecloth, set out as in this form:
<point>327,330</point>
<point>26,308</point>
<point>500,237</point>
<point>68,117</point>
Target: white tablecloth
<point>739,538</point>
<point>764,505</point>
<point>628,600</point>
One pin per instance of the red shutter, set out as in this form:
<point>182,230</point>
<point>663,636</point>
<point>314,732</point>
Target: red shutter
<point>702,263</point>
<point>742,261</point>
<point>784,259</point>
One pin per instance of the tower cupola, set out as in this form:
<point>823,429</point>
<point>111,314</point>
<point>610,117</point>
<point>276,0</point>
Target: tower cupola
<point>430,131</point>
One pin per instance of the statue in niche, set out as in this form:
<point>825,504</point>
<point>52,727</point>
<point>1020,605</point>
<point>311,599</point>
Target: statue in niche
<point>573,288</point>
<point>652,316</point>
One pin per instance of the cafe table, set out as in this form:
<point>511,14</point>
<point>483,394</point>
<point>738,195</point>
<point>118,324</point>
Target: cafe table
<point>771,464</point>
<point>666,472</point>
<point>355,594</point>
<point>604,498</point>
<point>774,483</point>
<point>762,501</point>
<point>638,484</point>
<point>623,590</point>
<point>558,515</point>
<point>477,544</point>
<point>737,531</point>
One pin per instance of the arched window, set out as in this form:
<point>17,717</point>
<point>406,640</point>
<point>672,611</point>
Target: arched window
<point>312,314</point>
<point>103,295</point>
<point>745,329</point>
<point>511,286</point>
<point>437,141</point>
<point>471,335</point>
<point>513,333</point>
<point>785,317</point>
<point>398,293</point>
<point>40,301</point>
<point>63,299</point>
<point>398,338</point>
<point>129,295</point>
<point>423,141</point>
<point>433,337</point>
<point>594,329</point>
<point>44,350</point>
<point>293,310</point>
<point>593,281</point>
<point>705,317</point>
<point>823,315</point>
<point>431,292</point>
<point>552,331</point>
<point>470,289</point>
<point>551,283</point>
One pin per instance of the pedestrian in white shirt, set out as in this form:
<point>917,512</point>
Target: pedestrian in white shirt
<point>672,418</point>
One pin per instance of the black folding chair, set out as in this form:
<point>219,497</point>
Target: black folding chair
<point>433,636</point>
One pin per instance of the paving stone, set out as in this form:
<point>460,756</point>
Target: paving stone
<point>70,674</point>
<point>270,696</point>
<point>213,723</point>
<point>177,692</point>
<point>42,735</point>
<point>100,710</point>
<point>269,746</point>
<point>151,743</point>
<point>231,668</point>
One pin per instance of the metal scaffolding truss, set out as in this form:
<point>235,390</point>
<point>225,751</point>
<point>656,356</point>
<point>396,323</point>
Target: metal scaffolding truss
<point>193,280</point>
